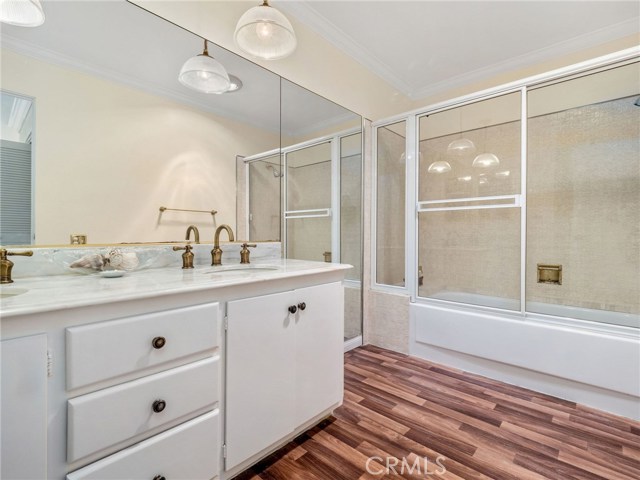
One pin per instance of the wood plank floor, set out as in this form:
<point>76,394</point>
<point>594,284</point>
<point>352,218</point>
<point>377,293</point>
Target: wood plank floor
<point>408,409</point>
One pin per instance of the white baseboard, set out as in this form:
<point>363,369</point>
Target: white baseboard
<point>352,343</point>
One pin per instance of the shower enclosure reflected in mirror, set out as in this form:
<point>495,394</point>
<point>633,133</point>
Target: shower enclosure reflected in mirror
<point>309,192</point>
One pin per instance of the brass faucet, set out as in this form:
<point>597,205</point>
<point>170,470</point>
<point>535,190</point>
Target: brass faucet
<point>187,256</point>
<point>244,253</point>
<point>216,253</point>
<point>6,265</point>
<point>196,233</point>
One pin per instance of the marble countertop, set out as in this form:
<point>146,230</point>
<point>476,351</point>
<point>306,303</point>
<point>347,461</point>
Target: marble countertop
<point>47,293</point>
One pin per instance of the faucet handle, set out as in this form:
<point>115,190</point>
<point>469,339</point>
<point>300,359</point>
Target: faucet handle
<point>187,256</point>
<point>6,265</point>
<point>244,253</point>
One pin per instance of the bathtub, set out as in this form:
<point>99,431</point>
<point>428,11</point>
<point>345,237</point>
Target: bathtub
<point>567,352</point>
<point>565,311</point>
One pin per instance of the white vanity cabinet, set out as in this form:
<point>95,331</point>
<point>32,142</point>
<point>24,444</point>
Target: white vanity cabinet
<point>284,366</point>
<point>167,374</point>
<point>159,424</point>
<point>23,421</point>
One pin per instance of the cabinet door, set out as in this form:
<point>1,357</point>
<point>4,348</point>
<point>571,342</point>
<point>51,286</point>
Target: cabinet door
<point>23,420</point>
<point>319,350</point>
<point>260,393</point>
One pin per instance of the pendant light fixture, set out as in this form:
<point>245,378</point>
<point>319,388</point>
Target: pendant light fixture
<point>22,13</point>
<point>461,146</point>
<point>439,167</point>
<point>265,32</point>
<point>204,73</point>
<point>486,160</point>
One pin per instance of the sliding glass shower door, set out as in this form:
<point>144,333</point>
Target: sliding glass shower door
<point>323,211</point>
<point>308,202</point>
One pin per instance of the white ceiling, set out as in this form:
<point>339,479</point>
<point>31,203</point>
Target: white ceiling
<point>426,47</point>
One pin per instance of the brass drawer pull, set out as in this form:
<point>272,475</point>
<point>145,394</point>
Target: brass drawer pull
<point>159,405</point>
<point>159,477</point>
<point>302,306</point>
<point>293,309</point>
<point>158,342</point>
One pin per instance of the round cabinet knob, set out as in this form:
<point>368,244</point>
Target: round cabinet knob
<point>159,477</point>
<point>158,342</point>
<point>293,309</point>
<point>159,405</point>
<point>302,306</point>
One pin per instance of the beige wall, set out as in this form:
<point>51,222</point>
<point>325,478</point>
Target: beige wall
<point>107,156</point>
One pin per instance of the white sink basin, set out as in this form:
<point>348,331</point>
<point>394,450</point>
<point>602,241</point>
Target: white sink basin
<point>7,292</point>
<point>238,269</point>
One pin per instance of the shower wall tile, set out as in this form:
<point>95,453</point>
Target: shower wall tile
<point>584,206</point>
<point>390,221</point>
<point>264,201</point>
<point>387,321</point>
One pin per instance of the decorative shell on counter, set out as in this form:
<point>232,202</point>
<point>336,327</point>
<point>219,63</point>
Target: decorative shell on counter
<point>120,260</point>
<point>95,261</point>
<point>116,259</point>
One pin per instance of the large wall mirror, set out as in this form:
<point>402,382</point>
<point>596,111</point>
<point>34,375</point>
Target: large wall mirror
<point>116,136</point>
<point>98,134</point>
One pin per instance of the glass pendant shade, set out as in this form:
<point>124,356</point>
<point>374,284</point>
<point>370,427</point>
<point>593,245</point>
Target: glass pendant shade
<point>235,84</point>
<point>265,33</point>
<point>439,167</point>
<point>204,74</point>
<point>22,13</point>
<point>461,146</point>
<point>485,160</point>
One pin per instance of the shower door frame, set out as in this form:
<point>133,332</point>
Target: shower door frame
<point>414,206</point>
<point>276,152</point>
<point>334,210</point>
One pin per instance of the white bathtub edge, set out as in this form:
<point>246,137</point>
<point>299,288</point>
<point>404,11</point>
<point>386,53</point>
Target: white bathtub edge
<point>594,369</point>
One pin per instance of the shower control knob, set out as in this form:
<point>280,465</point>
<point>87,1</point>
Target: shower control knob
<point>158,342</point>
<point>159,405</point>
<point>302,306</point>
<point>293,309</point>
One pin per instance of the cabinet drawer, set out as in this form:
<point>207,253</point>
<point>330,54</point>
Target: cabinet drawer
<point>121,415</point>
<point>189,451</point>
<point>108,349</point>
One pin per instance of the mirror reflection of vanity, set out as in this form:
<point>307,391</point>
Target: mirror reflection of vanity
<point>116,136</point>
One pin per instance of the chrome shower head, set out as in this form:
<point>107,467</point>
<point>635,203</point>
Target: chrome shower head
<point>276,172</point>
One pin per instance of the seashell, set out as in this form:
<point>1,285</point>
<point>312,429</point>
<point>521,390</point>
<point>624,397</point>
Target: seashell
<point>123,260</point>
<point>94,261</point>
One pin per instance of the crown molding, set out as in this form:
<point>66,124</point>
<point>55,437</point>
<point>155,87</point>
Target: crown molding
<point>31,50</point>
<point>567,47</point>
<point>321,25</point>
<point>307,15</point>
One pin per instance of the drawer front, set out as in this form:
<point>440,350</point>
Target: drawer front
<point>105,350</point>
<point>190,451</point>
<point>119,416</point>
